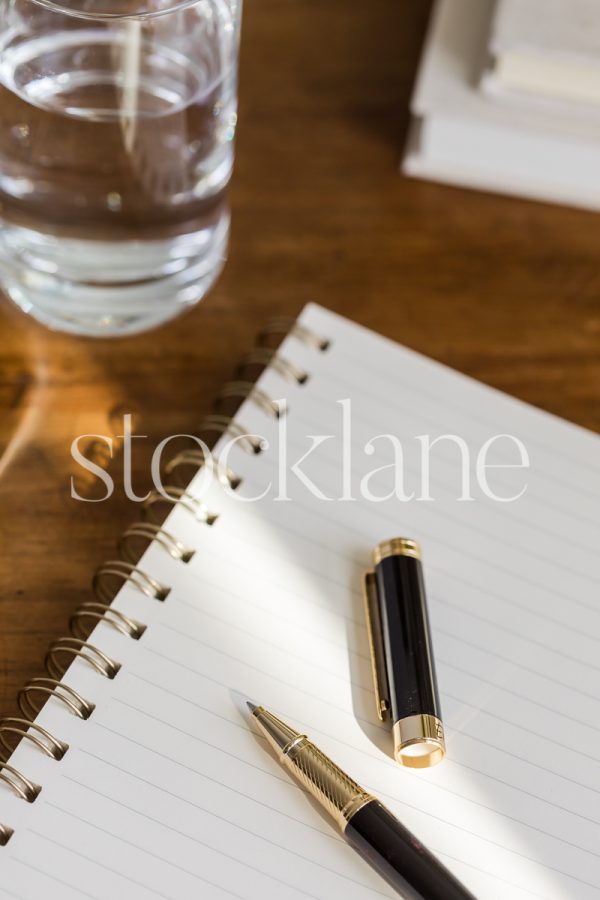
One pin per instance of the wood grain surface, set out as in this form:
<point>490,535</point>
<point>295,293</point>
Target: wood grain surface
<point>504,290</point>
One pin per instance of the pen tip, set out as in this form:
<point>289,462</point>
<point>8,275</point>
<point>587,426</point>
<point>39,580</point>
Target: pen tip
<point>251,706</point>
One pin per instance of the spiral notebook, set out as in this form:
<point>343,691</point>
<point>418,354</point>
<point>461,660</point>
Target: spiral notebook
<point>142,778</point>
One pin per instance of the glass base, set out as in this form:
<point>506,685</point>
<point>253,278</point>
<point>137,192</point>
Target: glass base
<point>105,288</point>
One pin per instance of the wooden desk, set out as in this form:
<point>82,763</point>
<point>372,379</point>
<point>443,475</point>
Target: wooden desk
<point>507,291</point>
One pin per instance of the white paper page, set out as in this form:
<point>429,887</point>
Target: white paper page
<point>167,792</point>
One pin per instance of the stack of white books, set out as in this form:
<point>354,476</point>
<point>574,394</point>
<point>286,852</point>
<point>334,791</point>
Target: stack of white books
<point>508,99</point>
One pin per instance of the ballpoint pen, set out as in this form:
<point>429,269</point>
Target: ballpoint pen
<point>366,824</point>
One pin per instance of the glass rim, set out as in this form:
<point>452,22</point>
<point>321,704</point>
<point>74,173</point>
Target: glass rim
<point>106,15</point>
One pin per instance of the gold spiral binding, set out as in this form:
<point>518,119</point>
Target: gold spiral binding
<point>217,424</point>
<point>42,738</point>
<point>247,390</point>
<point>22,786</point>
<point>150,531</point>
<point>99,612</point>
<point>118,568</point>
<point>51,687</point>
<point>177,496</point>
<point>125,568</point>
<point>285,326</point>
<point>265,357</point>
<point>196,458</point>
<point>75,647</point>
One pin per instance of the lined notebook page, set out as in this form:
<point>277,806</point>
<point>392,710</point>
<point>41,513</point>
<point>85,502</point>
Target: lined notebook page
<point>167,792</point>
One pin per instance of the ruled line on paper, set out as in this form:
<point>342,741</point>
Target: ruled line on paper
<point>454,520</point>
<point>518,695</point>
<point>373,426</point>
<point>595,609</point>
<point>200,740</point>
<point>368,722</point>
<point>98,862</point>
<point>443,602</point>
<point>118,872</point>
<point>390,402</point>
<point>61,881</point>
<point>509,511</point>
<point>403,802</point>
<point>493,624</point>
<point>453,859</point>
<point>444,694</point>
<point>330,834</point>
<point>367,688</point>
<point>4,892</point>
<point>207,846</point>
<point>517,725</point>
<point>506,511</point>
<point>337,676</point>
<point>531,671</point>
<point>444,788</point>
<point>214,815</point>
<point>299,821</point>
<point>447,575</point>
<point>545,617</point>
<point>276,614</point>
<point>471,384</point>
<point>268,773</point>
<point>461,700</point>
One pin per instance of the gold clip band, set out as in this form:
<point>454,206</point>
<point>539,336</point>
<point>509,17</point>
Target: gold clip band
<point>375,635</point>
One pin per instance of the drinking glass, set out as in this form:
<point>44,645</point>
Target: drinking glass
<point>117,120</point>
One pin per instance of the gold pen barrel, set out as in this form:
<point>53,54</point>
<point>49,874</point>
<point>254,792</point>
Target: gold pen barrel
<point>327,783</point>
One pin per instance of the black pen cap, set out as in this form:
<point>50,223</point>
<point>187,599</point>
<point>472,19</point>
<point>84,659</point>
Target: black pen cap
<point>402,653</point>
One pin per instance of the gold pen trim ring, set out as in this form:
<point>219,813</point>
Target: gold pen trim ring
<point>353,806</point>
<point>396,547</point>
<point>419,741</point>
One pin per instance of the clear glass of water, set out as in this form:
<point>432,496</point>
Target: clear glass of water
<point>117,120</point>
